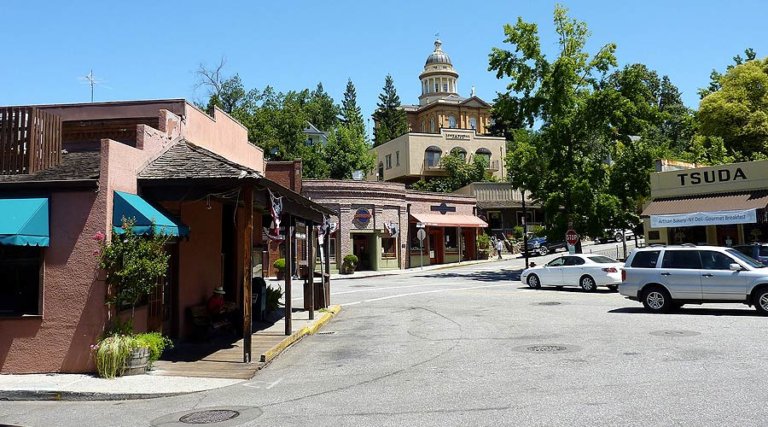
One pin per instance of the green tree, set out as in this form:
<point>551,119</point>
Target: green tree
<point>390,118</point>
<point>349,151</point>
<point>350,111</point>
<point>564,96</point>
<point>320,108</point>
<point>715,76</point>
<point>459,173</point>
<point>738,111</point>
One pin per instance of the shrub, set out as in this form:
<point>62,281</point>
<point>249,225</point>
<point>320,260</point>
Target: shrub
<point>273,298</point>
<point>539,231</point>
<point>111,353</point>
<point>279,264</point>
<point>518,232</point>
<point>155,342</point>
<point>351,260</point>
<point>483,241</point>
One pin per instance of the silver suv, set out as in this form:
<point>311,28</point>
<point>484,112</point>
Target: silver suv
<point>666,277</point>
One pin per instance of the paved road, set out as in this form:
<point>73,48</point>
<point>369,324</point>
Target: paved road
<point>472,346</point>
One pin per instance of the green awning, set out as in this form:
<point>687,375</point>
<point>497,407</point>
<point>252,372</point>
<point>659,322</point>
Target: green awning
<point>24,222</point>
<point>146,216</point>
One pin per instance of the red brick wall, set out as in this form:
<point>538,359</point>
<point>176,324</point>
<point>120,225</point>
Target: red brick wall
<point>285,173</point>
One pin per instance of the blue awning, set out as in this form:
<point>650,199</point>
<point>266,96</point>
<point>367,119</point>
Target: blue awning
<point>146,216</point>
<point>24,222</point>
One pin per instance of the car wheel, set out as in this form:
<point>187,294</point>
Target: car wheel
<point>613,288</point>
<point>619,237</point>
<point>543,250</point>
<point>588,283</point>
<point>657,300</point>
<point>533,281</point>
<point>760,300</point>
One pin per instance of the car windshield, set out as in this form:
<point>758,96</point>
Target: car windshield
<point>745,259</point>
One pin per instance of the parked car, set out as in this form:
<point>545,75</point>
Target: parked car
<point>758,251</point>
<point>615,235</point>
<point>585,270</point>
<point>666,277</point>
<point>540,246</point>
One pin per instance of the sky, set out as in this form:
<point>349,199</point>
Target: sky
<point>152,49</point>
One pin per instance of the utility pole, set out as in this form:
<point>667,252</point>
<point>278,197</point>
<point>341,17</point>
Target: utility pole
<point>91,79</point>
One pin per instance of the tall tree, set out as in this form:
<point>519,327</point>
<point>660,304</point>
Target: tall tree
<point>715,76</point>
<point>391,120</point>
<point>349,151</point>
<point>321,110</point>
<point>738,111</point>
<point>564,96</point>
<point>350,111</point>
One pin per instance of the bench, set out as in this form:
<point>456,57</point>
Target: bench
<point>205,326</point>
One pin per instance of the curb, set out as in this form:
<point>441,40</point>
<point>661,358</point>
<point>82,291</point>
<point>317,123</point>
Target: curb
<point>270,354</point>
<point>76,396</point>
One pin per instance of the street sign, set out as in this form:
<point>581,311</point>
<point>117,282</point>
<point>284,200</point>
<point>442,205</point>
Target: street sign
<point>571,237</point>
<point>419,225</point>
<point>421,234</point>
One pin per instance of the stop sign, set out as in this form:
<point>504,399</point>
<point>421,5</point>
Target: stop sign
<point>571,237</point>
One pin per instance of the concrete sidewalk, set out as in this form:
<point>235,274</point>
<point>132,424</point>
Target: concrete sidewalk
<point>157,383</point>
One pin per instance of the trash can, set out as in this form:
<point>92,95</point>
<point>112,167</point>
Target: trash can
<point>259,298</point>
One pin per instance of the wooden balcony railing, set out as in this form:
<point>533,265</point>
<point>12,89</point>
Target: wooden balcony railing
<point>30,140</point>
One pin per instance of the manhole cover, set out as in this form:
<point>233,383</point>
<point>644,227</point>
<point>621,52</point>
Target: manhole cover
<point>546,348</point>
<point>326,332</point>
<point>549,303</point>
<point>675,333</point>
<point>209,417</point>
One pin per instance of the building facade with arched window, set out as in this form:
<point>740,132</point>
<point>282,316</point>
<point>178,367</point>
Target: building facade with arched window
<point>443,122</point>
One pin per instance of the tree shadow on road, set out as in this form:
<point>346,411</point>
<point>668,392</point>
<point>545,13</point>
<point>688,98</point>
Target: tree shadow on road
<point>481,276</point>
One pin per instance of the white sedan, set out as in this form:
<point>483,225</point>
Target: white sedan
<point>585,270</point>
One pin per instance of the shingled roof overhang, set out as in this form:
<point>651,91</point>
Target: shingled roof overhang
<point>185,165</point>
<point>77,170</point>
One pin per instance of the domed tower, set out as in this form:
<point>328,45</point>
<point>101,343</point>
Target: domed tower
<point>438,80</point>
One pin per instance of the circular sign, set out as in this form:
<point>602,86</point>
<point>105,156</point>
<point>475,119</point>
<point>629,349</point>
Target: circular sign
<point>362,216</point>
<point>421,234</point>
<point>571,237</point>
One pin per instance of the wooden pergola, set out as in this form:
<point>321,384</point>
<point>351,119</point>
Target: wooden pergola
<point>186,172</point>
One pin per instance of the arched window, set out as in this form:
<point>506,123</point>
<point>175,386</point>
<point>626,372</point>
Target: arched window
<point>473,123</point>
<point>485,154</point>
<point>432,125</point>
<point>432,156</point>
<point>458,151</point>
<point>380,175</point>
<point>452,122</point>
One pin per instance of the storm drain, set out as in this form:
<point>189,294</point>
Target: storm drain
<point>675,333</point>
<point>549,303</point>
<point>209,417</point>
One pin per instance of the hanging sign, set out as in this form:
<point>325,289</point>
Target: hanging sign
<point>746,216</point>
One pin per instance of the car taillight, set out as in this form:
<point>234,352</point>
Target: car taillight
<point>610,270</point>
<point>623,275</point>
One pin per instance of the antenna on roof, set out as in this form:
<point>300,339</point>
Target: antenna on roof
<point>91,80</point>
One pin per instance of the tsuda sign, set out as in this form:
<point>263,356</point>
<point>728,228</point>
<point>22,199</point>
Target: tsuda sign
<point>712,176</point>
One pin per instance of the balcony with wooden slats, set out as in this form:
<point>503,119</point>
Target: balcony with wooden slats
<point>30,140</point>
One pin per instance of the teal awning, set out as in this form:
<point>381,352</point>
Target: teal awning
<point>147,216</point>
<point>24,222</point>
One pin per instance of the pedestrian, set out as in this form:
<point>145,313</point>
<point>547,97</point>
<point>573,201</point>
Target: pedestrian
<point>499,247</point>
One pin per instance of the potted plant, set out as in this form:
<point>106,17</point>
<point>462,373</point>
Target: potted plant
<point>133,265</point>
<point>349,264</point>
<point>279,266</point>
<point>483,246</point>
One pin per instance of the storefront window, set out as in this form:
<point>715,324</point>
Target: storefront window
<point>451,240</point>
<point>494,220</point>
<point>20,270</point>
<point>388,247</point>
<point>695,235</point>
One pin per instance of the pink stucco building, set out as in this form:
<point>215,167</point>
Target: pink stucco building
<point>62,168</point>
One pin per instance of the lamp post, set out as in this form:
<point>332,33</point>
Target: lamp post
<point>525,230</point>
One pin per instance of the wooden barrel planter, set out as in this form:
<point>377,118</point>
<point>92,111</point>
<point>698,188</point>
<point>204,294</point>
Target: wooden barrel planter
<point>137,362</point>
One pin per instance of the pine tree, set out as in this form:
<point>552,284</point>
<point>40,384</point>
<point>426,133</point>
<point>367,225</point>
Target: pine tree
<point>350,111</point>
<point>391,120</point>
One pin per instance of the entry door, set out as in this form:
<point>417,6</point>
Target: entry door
<point>361,249</point>
<point>436,246</point>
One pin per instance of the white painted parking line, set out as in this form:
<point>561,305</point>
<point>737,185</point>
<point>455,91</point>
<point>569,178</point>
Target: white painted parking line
<point>258,384</point>
<point>424,292</point>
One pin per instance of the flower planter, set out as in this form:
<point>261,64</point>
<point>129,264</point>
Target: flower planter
<point>137,362</point>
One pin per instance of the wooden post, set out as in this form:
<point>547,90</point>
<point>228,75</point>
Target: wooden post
<point>327,275</point>
<point>311,267</point>
<point>247,271</point>
<point>288,273</point>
